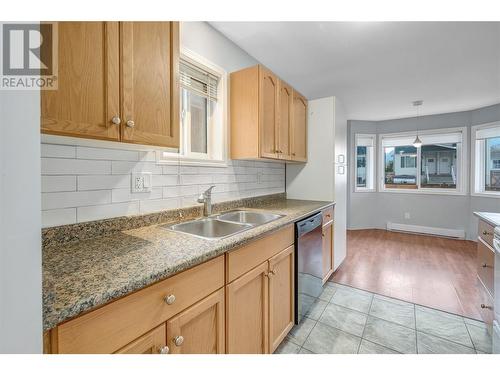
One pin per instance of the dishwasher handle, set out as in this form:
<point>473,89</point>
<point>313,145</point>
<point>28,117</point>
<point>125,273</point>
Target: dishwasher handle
<point>309,224</point>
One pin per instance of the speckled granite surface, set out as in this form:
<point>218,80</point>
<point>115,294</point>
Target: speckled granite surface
<point>78,276</point>
<point>492,218</point>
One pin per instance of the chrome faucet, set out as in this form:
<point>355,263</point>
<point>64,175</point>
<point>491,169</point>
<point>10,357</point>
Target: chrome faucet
<point>206,199</point>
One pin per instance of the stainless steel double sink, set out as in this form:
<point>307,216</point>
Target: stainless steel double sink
<point>224,225</point>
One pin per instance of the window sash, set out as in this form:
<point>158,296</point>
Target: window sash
<point>368,141</point>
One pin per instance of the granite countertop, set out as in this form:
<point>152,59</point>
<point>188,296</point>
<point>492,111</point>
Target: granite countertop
<point>82,275</point>
<point>492,218</point>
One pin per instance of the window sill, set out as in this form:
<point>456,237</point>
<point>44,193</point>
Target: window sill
<point>365,190</point>
<point>486,195</point>
<point>423,192</point>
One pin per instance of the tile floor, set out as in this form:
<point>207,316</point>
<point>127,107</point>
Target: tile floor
<point>345,320</point>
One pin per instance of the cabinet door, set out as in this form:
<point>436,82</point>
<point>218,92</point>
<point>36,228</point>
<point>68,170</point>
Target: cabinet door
<point>153,342</point>
<point>327,252</point>
<point>281,296</point>
<point>285,120</point>
<point>247,313</point>
<point>268,114</point>
<point>299,128</point>
<point>200,328</point>
<point>150,83</point>
<point>88,93</point>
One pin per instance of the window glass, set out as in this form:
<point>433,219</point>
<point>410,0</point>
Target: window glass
<point>400,167</point>
<point>439,166</point>
<point>492,164</point>
<point>197,113</point>
<point>361,152</point>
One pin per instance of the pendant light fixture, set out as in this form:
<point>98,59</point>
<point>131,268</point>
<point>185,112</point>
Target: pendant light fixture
<point>417,142</point>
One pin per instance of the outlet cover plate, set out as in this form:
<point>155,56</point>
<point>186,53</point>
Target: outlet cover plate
<point>141,182</point>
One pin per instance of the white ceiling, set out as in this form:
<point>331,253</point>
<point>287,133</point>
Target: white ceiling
<point>378,68</point>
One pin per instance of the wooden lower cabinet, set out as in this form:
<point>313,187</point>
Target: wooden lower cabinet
<point>200,328</point>
<point>247,321</point>
<point>281,296</point>
<point>327,251</point>
<point>153,342</point>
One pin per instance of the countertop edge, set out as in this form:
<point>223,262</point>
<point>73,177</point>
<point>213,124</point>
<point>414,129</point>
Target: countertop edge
<point>485,216</point>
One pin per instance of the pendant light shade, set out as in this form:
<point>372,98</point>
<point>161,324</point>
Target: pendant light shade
<point>417,142</point>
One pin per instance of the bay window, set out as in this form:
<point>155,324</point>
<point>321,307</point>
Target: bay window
<point>486,159</point>
<point>364,171</point>
<point>437,166</point>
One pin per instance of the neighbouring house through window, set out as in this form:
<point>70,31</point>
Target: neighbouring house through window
<point>437,166</point>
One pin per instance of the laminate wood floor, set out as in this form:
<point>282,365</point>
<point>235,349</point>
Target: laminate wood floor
<point>431,271</point>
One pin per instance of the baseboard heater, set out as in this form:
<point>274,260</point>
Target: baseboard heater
<point>443,232</point>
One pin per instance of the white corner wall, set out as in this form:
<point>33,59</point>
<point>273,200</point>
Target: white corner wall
<point>20,243</point>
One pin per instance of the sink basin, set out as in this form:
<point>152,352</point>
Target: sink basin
<point>249,217</point>
<point>210,228</point>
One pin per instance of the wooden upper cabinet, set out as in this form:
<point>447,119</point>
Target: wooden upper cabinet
<point>153,342</point>
<point>285,120</point>
<point>281,296</point>
<point>117,81</point>
<point>247,313</point>
<point>88,94</point>
<point>299,128</point>
<point>150,70</point>
<point>268,113</point>
<point>200,328</point>
<point>263,111</point>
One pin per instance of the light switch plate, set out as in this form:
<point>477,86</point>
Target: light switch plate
<point>141,182</point>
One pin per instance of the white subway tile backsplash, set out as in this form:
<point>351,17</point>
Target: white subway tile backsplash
<point>89,183</point>
<point>195,179</point>
<point>52,184</point>
<point>52,166</point>
<point>125,195</point>
<point>57,151</point>
<point>104,182</point>
<point>75,199</point>
<point>106,154</point>
<point>124,167</point>
<point>155,205</point>
<point>105,211</point>
<point>53,218</point>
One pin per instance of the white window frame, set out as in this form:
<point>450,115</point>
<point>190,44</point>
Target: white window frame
<point>217,146</point>
<point>462,170</point>
<point>477,163</point>
<point>370,166</point>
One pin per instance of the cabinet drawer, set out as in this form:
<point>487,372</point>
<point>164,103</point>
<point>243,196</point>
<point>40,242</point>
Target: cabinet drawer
<point>113,326</point>
<point>486,304</point>
<point>485,265</point>
<point>250,256</point>
<point>327,215</point>
<point>486,232</point>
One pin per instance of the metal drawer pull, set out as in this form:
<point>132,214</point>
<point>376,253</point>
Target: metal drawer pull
<point>178,340</point>
<point>486,233</point>
<point>170,299</point>
<point>485,265</point>
<point>483,306</point>
<point>164,350</point>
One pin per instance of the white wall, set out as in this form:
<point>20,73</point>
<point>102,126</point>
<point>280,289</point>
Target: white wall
<point>82,183</point>
<point>374,210</point>
<point>20,247</point>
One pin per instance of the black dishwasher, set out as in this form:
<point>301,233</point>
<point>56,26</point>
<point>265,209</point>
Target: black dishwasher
<point>308,264</point>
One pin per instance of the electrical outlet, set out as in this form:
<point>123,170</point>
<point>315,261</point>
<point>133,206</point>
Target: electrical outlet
<point>141,182</point>
<point>407,215</point>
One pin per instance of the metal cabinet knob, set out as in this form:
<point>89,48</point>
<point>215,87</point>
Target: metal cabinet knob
<point>116,120</point>
<point>170,299</point>
<point>272,272</point>
<point>293,153</point>
<point>178,340</point>
<point>164,350</point>
<point>130,123</point>
<point>485,265</point>
<point>486,233</point>
<point>483,306</point>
